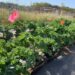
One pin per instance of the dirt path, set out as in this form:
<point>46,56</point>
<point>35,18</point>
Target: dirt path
<point>64,66</point>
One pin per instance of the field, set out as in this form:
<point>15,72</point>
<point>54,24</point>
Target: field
<point>30,38</point>
<point>4,13</point>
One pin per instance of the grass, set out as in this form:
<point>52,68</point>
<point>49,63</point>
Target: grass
<point>40,15</point>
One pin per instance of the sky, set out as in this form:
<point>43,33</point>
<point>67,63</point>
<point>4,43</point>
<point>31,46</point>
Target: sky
<point>69,3</point>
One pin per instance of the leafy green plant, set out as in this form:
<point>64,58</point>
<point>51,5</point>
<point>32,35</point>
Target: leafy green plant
<point>34,40</point>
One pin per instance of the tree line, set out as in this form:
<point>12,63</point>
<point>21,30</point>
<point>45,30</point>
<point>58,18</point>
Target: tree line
<point>34,5</point>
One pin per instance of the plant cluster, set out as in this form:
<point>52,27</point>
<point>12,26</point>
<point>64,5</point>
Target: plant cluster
<point>33,43</point>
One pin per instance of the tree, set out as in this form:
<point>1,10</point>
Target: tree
<point>41,5</point>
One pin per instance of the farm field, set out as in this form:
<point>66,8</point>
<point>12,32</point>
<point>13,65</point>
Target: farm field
<point>28,39</point>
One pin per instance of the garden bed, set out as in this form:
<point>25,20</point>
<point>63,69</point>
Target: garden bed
<point>27,45</point>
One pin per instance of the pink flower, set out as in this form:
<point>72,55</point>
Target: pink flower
<point>13,16</point>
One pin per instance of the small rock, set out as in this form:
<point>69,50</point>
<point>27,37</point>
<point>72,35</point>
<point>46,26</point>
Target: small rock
<point>60,57</point>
